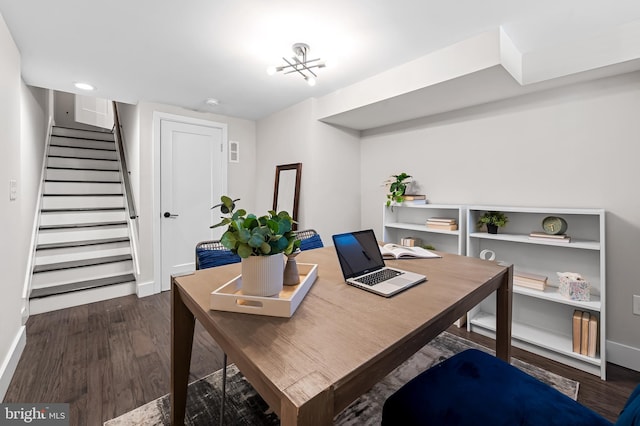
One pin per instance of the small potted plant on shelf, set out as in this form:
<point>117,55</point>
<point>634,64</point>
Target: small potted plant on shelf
<point>493,220</point>
<point>261,242</point>
<point>397,185</point>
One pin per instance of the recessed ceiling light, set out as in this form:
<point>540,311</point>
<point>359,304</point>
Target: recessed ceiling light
<point>84,86</point>
<point>212,102</point>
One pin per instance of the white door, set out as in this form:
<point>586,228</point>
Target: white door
<point>193,177</point>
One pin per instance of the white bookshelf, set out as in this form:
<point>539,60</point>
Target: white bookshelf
<point>408,220</point>
<point>542,320</point>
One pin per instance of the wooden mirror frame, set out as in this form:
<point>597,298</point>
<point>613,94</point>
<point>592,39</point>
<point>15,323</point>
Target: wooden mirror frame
<point>297,167</point>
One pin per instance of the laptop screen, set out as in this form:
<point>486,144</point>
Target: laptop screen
<point>358,253</point>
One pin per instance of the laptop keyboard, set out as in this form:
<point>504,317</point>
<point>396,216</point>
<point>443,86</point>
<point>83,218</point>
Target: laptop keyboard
<point>378,277</point>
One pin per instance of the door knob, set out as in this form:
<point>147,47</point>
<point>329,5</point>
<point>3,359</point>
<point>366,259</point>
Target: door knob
<point>167,214</point>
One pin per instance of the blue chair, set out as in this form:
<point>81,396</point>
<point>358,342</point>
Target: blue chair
<point>212,253</point>
<point>476,388</point>
<point>309,239</point>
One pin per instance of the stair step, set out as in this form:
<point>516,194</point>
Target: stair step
<point>81,285</point>
<point>69,254</point>
<point>73,152</point>
<point>81,217</point>
<point>71,275</point>
<point>53,246</point>
<point>81,225</point>
<point>56,236</point>
<point>82,134</point>
<point>82,188</point>
<point>82,209</point>
<point>82,143</point>
<point>80,175</point>
<point>82,163</point>
<point>74,201</point>
<point>80,263</point>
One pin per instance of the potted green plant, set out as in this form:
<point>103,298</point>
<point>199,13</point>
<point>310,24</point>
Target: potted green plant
<point>493,220</point>
<point>397,185</point>
<point>261,242</point>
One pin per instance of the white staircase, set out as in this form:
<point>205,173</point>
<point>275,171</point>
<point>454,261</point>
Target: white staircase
<point>83,252</point>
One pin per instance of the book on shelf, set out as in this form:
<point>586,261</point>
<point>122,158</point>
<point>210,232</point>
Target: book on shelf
<point>528,280</point>
<point>410,241</point>
<point>592,346</point>
<point>445,220</point>
<point>541,236</point>
<point>577,327</point>
<point>395,251</point>
<point>545,235</point>
<point>584,333</point>
<point>442,226</point>
<point>414,197</point>
<point>414,202</point>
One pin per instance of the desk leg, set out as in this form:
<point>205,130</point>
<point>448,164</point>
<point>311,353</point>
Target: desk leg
<point>182,326</point>
<point>503,316</point>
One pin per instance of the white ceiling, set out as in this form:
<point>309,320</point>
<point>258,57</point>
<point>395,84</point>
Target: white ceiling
<point>182,52</point>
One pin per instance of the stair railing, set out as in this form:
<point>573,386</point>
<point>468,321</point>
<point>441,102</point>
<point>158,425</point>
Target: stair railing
<point>131,208</point>
<point>117,132</point>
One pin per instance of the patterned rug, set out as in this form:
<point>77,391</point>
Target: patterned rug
<point>245,407</point>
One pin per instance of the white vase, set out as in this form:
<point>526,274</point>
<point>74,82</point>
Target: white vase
<point>262,275</point>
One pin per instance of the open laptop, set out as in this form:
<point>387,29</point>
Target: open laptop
<point>363,266</point>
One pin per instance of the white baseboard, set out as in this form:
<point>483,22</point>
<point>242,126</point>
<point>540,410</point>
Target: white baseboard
<point>10,362</point>
<point>61,301</point>
<point>623,355</point>
<point>146,289</point>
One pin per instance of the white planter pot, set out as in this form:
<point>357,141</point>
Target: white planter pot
<point>262,275</point>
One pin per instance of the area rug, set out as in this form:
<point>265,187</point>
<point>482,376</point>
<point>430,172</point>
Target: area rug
<point>245,407</point>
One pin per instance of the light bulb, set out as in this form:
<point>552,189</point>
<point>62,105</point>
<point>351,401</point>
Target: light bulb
<point>84,86</point>
<point>311,81</point>
<point>271,70</point>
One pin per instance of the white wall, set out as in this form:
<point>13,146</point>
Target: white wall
<point>23,117</point>
<point>11,264</point>
<point>577,146</point>
<point>330,188</point>
<point>241,176</point>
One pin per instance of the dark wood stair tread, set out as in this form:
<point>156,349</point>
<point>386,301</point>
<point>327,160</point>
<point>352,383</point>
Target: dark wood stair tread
<point>80,209</point>
<point>83,225</point>
<point>81,285</point>
<point>70,244</point>
<point>81,158</point>
<point>84,195</point>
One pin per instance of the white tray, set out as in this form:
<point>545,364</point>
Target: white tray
<point>229,297</point>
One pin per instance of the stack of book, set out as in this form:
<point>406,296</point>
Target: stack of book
<point>443,223</point>
<point>412,199</point>
<point>525,279</point>
<point>557,238</point>
<point>585,333</point>
<point>410,242</point>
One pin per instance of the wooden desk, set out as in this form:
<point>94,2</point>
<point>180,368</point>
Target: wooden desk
<point>341,340</point>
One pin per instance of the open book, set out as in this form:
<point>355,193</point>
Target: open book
<point>394,251</point>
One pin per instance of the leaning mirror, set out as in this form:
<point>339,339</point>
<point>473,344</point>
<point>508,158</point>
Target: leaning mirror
<point>286,193</point>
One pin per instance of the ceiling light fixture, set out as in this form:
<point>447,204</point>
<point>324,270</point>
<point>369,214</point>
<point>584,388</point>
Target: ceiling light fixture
<point>212,102</point>
<point>84,86</point>
<point>299,64</point>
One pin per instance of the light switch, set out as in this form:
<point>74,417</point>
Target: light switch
<point>13,189</point>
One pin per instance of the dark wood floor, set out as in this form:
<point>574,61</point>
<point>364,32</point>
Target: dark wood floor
<point>107,358</point>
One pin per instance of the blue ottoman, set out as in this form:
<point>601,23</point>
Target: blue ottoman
<point>475,388</point>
